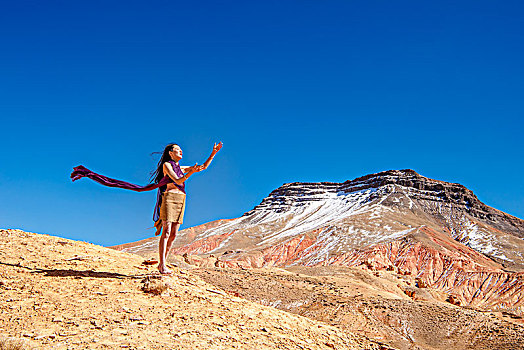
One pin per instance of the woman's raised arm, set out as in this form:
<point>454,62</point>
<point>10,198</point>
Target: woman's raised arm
<point>216,148</point>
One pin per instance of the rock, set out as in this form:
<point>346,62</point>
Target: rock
<point>154,285</point>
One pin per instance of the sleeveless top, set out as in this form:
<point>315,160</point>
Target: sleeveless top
<point>178,171</point>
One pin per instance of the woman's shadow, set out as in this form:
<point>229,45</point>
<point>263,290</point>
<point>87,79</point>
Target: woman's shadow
<point>74,273</point>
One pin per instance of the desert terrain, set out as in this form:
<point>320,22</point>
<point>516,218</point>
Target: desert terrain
<point>61,294</point>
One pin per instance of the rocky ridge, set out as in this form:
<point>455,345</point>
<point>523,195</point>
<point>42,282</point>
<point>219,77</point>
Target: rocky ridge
<point>417,187</point>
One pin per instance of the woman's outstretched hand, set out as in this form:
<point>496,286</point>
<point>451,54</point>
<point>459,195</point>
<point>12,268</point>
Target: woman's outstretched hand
<point>216,147</point>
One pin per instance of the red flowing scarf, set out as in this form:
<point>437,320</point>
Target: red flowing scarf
<point>81,171</point>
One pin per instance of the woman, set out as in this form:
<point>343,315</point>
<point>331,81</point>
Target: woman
<point>169,212</point>
<point>170,179</point>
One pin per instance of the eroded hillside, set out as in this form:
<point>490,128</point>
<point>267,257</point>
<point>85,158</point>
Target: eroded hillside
<point>382,305</point>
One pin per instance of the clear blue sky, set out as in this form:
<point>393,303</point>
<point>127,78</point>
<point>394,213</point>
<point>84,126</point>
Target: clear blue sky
<point>296,90</point>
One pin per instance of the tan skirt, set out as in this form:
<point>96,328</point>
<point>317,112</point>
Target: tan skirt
<point>173,207</point>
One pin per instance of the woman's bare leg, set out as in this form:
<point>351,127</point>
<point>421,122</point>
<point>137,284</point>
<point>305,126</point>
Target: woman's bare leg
<point>171,239</point>
<point>162,248</point>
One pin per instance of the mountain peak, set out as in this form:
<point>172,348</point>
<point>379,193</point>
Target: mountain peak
<point>407,183</point>
<point>403,177</point>
<point>403,174</point>
<point>409,180</point>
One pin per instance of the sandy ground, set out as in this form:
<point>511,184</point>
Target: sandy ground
<point>62,294</point>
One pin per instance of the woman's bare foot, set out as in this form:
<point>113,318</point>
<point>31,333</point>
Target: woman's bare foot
<point>164,270</point>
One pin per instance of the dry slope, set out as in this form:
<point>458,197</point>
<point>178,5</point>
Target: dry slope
<point>62,294</point>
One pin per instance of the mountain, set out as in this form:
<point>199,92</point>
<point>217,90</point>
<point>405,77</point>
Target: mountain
<point>438,232</point>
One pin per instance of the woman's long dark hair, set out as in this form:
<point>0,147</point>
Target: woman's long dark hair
<point>158,174</point>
